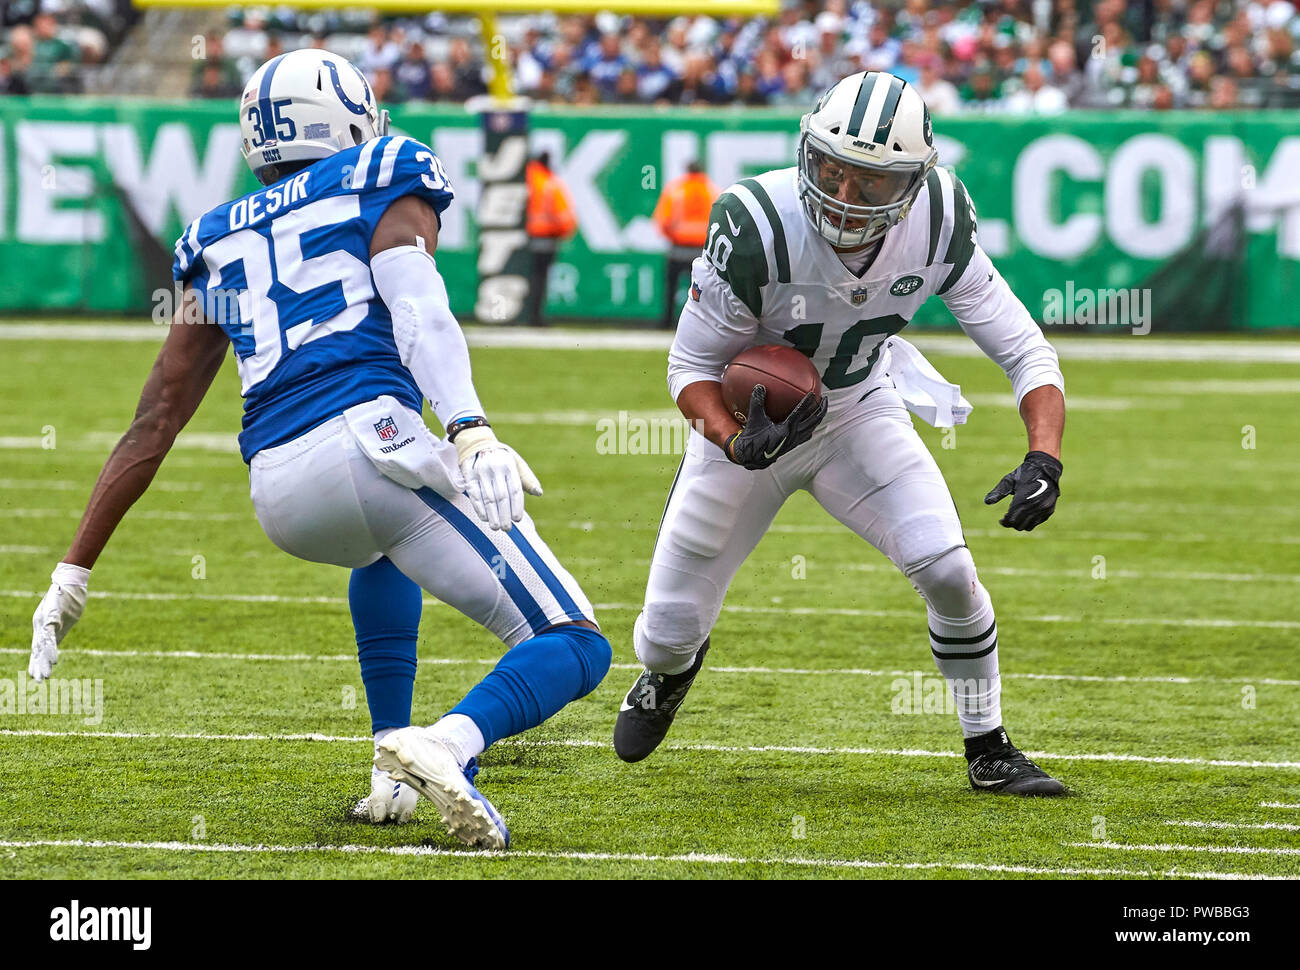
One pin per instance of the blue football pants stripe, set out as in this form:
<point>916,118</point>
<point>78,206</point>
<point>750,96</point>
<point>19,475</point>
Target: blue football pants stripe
<point>489,553</point>
<point>544,571</point>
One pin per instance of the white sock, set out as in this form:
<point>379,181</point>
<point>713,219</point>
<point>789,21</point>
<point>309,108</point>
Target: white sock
<point>974,679</point>
<point>379,736</point>
<point>461,735</point>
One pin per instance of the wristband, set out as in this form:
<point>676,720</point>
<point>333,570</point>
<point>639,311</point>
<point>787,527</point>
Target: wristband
<point>456,427</point>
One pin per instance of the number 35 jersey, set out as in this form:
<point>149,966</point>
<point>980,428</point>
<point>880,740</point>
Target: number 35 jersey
<point>285,272</point>
<point>766,276</point>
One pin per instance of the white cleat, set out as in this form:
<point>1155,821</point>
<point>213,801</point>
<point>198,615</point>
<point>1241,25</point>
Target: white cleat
<point>414,756</point>
<point>388,801</point>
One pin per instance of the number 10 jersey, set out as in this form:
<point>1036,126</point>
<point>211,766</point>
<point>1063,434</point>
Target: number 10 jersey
<point>766,276</point>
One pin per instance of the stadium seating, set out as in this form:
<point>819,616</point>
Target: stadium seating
<point>1009,57</point>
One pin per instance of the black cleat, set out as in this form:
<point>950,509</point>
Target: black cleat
<point>649,708</point>
<point>996,765</point>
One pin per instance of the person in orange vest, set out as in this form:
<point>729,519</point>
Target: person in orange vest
<point>550,221</point>
<point>682,215</point>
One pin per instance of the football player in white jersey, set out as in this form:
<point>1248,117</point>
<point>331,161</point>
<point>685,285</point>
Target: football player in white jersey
<point>324,283</point>
<point>833,257</point>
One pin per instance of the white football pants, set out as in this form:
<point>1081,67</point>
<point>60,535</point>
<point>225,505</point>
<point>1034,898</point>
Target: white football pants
<point>319,498</point>
<point>870,470</point>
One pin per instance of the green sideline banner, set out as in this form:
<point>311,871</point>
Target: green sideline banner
<point>1199,212</point>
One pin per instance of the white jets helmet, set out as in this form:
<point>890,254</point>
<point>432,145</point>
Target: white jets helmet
<point>305,105</point>
<point>865,150</point>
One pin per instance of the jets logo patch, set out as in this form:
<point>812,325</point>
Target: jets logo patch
<point>386,428</point>
<point>905,285</point>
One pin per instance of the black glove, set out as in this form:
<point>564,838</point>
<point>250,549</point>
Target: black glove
<point>762,441</point>
<point>1034,488</point>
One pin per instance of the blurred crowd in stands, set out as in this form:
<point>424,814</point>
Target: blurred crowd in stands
<point>1021,56</point>
<point>46,46</point>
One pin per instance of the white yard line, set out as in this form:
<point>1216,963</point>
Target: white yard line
<point>80,485</point>
<point>103,441</point>
<point>1221,386</point>
<point>693,858</point>
<point>152,514</point>
<point>671,746</point>
<point>750,670</point>
<point>1254,350</point>
<point>204,597</point>
<point>1081,574</point>
<point>273,657</point>
<point>1055,535</point>
<point>1253,826</point>
<point>1211,622</point>
<point>1216,849</point>
<point>1286,805</point>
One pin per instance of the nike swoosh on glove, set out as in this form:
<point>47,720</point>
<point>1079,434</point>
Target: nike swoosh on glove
<point>1034,488</point>
<point>762,441</point>
<point>58,610</point>
<point>495,477</point>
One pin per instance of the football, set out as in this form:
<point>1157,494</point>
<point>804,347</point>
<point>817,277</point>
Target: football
<point>787,374</point>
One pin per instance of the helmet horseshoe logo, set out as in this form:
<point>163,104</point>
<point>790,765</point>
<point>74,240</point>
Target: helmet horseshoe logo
<point>356,109</point>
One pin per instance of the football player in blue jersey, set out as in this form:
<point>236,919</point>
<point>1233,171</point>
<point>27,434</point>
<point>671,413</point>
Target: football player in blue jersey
<point>325,284</point>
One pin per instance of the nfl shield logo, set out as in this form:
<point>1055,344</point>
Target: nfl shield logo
<point>387,428</point>
<point>858,296</point>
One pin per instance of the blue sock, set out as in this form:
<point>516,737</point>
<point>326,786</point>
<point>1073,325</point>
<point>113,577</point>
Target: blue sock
<point>386,615</point>
<point>535,679</point>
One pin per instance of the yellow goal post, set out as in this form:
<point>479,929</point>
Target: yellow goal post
<point>500,85</point>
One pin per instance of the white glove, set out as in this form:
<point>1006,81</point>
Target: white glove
<point>59,609</point>
<point>495,477</point>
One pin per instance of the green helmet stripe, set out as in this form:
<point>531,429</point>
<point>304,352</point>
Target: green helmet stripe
<point>860,106</point>
<point>888,109</point>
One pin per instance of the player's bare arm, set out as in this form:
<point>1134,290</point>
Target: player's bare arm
<point>1043,411</point>
<point>410,221</point>
<point>701,404</point>
<point>181,375</point>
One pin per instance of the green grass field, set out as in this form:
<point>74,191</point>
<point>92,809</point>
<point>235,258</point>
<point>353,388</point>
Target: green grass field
<point>1166,694</point>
